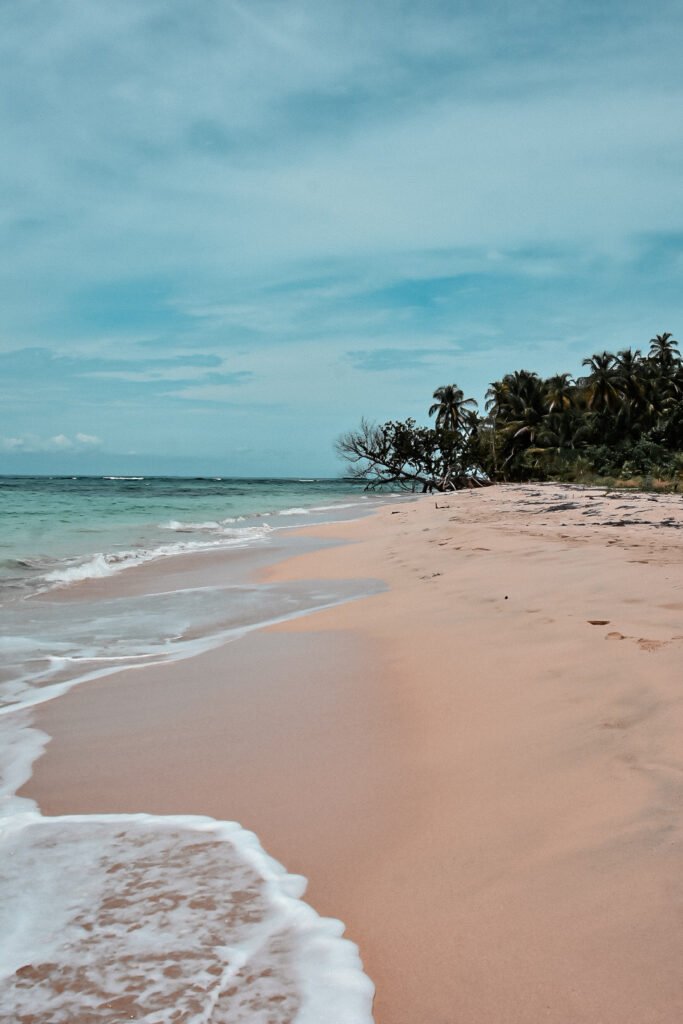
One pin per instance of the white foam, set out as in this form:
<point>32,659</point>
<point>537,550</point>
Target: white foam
<point>318,508</point>
<point>20,746</point>
<point>99,565</point>
<point>333,508</point>
<point>225,528</point>
<point>31,689</point>
<point>157,919</point>
<point>102,564</point>
<point>28,689</point>
<point>164,919</point>
<point>182,527</point>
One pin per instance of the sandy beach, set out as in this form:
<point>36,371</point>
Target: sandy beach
<point>479,769</point>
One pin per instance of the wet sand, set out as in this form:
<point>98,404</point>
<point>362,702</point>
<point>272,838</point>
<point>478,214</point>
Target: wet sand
<point>480,770</point>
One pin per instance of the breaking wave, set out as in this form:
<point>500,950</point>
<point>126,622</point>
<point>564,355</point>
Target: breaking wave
<point>164,919</point>
<point>106,564</point>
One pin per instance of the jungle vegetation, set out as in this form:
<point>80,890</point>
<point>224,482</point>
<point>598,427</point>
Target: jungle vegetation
<point>622,418</point>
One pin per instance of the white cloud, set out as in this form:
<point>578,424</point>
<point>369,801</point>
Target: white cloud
<point>285,170</point>
<point>56,443</point>
<point>207,393</point>
<point>572,138</point>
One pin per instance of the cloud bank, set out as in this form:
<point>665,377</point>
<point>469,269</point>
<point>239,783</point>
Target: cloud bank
<point>30,443</point>
<point>237,222</point>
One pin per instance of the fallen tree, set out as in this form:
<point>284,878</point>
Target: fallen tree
<point>402,454</point>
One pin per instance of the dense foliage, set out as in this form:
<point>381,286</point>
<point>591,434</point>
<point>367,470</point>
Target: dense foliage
<point>623,418</point>
<point>404,454</point>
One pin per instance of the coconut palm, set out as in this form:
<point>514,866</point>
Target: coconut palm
<point>603,385</point>
<point>525,401</point>
<point>629,362</point>
<point>560,395</point>
<point>638,406</point>
<point>559,392</point>
<point>451,409</point>
<point>517,408</point>
<point>664,350</point>
<point>496,398</point>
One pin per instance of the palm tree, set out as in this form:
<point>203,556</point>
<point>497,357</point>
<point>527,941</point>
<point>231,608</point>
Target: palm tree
<point>559,392</point>
<point>451,408</point>
<point>664,350</point>
<point>496,399</point>
<point>629,363</point>
<point>637,408</point>
<point>525,406</point>
<point>664,380</point>
<point>603,389</point>
<point>560,421</point>
<point>516,407</point>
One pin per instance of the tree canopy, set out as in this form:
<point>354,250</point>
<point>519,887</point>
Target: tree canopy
<point>401,453</point>
<point>624,416</point>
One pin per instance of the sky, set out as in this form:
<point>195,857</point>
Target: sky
<point>231,228</point>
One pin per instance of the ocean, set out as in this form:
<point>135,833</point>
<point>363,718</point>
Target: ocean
<point>63,529</point>
<point>105,918</point>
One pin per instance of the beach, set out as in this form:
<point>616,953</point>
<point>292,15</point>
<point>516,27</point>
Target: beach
<point>478,767</point>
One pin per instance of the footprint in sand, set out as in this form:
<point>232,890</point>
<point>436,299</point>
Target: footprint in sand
<point>650,645</point>
<point>598,622</point>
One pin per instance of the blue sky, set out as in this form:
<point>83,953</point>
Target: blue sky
<point>230,229</point>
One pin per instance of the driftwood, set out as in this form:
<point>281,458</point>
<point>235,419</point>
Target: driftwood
<point>409,457</point>
<point>458,483</point>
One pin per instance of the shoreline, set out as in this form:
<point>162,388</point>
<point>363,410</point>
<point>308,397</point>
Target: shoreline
<point>478,781</point>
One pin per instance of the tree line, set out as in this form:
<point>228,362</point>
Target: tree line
<point>623,417</point>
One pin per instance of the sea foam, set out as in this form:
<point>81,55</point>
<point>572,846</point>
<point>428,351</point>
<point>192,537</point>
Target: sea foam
<point>162,920</point>
<point>158,919</point>
<point>165,920</point>
<point>102,564</point>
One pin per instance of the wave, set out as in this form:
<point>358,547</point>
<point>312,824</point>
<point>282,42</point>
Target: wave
<point>224,527</point>
<point>165,918</point>
<point>211,526</point>
<point>157,918</point>
<point>296,511</point>
<point>333,508</point>
<point>63,654</point>
<point>103,564</point>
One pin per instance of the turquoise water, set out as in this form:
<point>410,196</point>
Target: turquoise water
<point>53,525</point>
<point>166,914</point>
<point>58,534</point>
